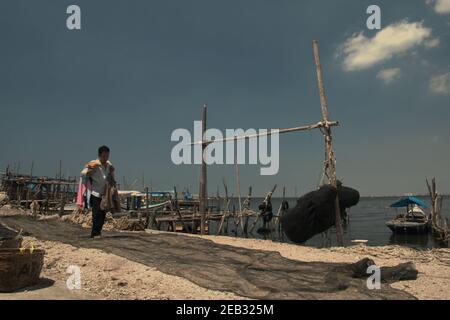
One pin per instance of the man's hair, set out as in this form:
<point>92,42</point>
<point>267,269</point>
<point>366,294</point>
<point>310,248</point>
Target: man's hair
<point>103,149</point>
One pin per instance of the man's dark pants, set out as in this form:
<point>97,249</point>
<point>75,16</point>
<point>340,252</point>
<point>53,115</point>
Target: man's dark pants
<point>98,216</point>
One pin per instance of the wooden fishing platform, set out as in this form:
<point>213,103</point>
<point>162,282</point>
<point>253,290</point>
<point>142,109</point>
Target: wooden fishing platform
<point>47,194</point>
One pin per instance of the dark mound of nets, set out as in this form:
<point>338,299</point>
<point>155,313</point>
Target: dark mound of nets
<point>348,197</point>
<point>315,212</point>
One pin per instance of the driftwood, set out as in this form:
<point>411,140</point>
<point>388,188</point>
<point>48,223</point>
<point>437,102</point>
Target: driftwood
<point>403,271</point>
<point>440,225</point>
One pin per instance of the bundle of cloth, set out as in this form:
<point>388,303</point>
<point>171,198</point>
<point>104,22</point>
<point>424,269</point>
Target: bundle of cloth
<point>315,212</point>
<point>110,199</point>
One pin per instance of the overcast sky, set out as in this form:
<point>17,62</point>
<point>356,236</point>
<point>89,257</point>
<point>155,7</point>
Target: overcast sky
<point>139,69</point>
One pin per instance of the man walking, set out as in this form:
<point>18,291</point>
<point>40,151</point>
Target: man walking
<point>100,173</point>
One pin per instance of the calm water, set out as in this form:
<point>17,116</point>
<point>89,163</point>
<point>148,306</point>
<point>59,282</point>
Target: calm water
<point>367,221</point>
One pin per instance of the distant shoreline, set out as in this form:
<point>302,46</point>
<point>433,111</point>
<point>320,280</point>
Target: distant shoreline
<point>362,197</point>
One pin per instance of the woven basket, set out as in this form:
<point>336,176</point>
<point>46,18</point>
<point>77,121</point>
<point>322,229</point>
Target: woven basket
<point>19,269</point>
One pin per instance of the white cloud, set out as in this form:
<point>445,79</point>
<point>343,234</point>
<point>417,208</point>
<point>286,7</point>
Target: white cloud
<point>440,6</point>
<point>432,43</point>
<point>440,84</point>
<point>361,52</point>
<point>389,75</point>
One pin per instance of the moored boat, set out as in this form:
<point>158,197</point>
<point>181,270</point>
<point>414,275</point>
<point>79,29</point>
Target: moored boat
<point>414,220</point>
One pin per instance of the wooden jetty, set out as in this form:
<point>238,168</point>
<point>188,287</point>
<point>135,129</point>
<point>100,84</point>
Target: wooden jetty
<point>46,194</point>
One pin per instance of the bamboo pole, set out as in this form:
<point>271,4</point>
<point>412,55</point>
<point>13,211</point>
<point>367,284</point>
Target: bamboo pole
<point>238,186</point>
<point>147,202</point>
<point>59,193</point>
<point>28,190</point>
<point>226,211</point>
<point>246,206</point>
<point>175,207</point>
<point>203,176</point>
<point>330,161</point>
<point>318,125</point>
<point>265,201</point>
<point>218,199</point>
<point>433,199</point>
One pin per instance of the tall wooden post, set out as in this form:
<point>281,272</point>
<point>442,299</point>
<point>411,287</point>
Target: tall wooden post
<point>31,180</point>
<point>147,202</point>
<point>203,177</point>
<point>238,186</point>
<point>330,161</point>
<point>59,193</point>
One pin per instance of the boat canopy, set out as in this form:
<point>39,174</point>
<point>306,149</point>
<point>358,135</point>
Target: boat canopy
<point>161,194</point>
<point>404,202</point>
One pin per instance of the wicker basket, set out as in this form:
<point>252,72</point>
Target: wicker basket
<point>19,269</point>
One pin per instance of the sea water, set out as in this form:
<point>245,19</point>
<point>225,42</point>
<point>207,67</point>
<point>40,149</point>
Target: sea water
<point>366,222</point>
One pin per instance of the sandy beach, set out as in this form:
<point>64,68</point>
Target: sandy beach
<point>108,276</point>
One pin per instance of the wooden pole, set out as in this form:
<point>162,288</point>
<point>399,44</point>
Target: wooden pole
<point>225,213</point>
<point>203,176</point>
<point>238,187</point>
<point>246,206</point>
<point>318,125</point>
<point>330,161</point>
<point>265,201</point>
<point>28,190</point>
<point>282,212</point>
<point>147,202</point>
<point>218,199</point>
<point>60,178</point>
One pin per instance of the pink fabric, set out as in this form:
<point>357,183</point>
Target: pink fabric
<point>82,189</point>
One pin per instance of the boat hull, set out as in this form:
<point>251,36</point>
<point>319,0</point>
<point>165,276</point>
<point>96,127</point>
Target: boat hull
<point>407,227</point>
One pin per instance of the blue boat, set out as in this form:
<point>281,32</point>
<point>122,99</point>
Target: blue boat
<point>414,220</point>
